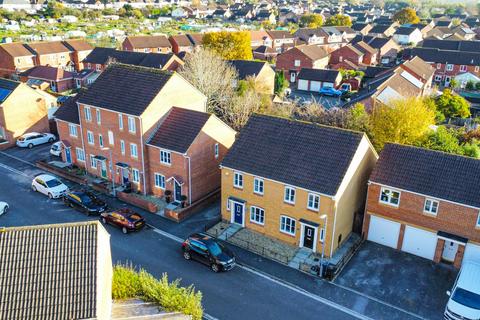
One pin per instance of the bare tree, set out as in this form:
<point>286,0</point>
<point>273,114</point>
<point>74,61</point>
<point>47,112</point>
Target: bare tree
<point>214,77</point>
<point>240,108</point>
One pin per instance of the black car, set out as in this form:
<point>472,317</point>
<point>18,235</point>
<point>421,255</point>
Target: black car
<point>206,250</point>
<point>85,201</point>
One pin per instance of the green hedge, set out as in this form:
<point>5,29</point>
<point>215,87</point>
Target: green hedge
<point>128,283</point>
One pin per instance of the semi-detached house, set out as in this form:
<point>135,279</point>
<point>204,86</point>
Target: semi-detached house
<point>128,107</point>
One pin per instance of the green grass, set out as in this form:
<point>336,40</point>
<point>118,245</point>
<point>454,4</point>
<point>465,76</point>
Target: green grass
<point>170,296</point>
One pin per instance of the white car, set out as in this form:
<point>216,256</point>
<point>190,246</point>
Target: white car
<point>56,149</point>
<point>464,301</point>
<point>49,186</point>
<point>28,140</point>
<point>3,207</point>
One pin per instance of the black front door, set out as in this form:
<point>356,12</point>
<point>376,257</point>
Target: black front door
<point>308,235</point>
<point>178,191</point>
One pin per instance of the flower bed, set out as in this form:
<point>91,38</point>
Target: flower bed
<point>137,201</point>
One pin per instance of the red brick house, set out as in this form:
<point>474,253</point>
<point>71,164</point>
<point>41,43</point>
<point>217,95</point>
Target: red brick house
<point>281,39</point>
<point>353,56</point>
<point>59,79</point>
<point>54,54</point>
<point>156,44</point>
<point>425,203</point>
<point>112,116</point>
<point>80,49</point>
<point>14,57</point>
<point>293,60</point>
<point>181,43</point>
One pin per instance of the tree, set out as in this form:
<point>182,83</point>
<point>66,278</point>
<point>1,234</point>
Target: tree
<point>280,83</point>
<point>470,85</point>
<point>406,15</point>
<point>311,21</point>
<point>403,121</point>
<point>212,76</point>
<point>241,107</point>
<point>339,20</point>
<point>453,84</point>
<point>54,10</point>
<point>358,119</point>
<point>229,45</point>
<point>442,139</point>
<point>452,105</point>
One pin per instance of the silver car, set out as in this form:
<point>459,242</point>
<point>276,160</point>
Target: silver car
<point>28,140</point>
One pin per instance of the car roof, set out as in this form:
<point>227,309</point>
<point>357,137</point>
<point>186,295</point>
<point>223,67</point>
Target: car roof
<point>201,237</point>
<point>29,134</point>
<point>469,278</point>
<point>46,177</point>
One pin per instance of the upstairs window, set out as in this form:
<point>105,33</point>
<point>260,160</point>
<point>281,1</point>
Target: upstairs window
<point>449,67</point>
<point>289,195</point>
<point>216,151</point>
<point>90,138</point>
<point>165,157</point>
<point>313,201</point>
<point>99,117</point>
<point>390,197</point>
<point>431,206</point>
<point>72,130</point>
<point>120,122</point>
<point>463,68</point>
<point>258,186</point>
<point>133,150</point>
<point>131,125</point>
<point>238,180</point>
<point>88,114</point>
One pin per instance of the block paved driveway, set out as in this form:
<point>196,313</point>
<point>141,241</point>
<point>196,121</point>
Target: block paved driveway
<point>412,283</point>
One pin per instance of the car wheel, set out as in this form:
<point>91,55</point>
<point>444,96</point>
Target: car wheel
<point>5,210</point>
<point>124,230</point>
<point>215,267</point>
<point>50,140</point>
<point>30,145</point>
<point>104,221</point>
<point>50,195</point>
<point>34,189</point>
<point>187,255</point>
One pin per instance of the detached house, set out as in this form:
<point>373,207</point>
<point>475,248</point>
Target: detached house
<point>181,43</point>
<point>297,182</point>
<point>407,36</point>
<point>425,203</point>
<point>293,60</point>
<point>156,44</point>
<point>14,57</point>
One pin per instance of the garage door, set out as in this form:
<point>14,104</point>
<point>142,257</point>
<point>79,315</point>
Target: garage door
<point>383,231</point>
<point>472,253</point>
<point>315,86</point>
<point>419,242</point>
<point>328,85</point>
<point>302,84</point>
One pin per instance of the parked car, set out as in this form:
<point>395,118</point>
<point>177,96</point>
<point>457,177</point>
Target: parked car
<point>331,92</point>
<point>206,250</point>
<point>3,207</point>
<point>56,149</point>
<point>49,185</point>
<point>464,301</point>
<point>85,202</point>
<point>125,218</point>
<point>28,140</point>
<point>345,87</point>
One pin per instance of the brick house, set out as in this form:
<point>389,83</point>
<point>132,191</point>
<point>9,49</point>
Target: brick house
<point>181,43</point>
<point>54,54</point>
<point>346,57</point>
<point>155,44</point>
<point>383,30</point>
<point>59,79</point>
<point>387,49</point>
<point>296,182</point>
<point>14,57</point>
<point>293,60</point>
<point>80,49</point>
<point>260,38</point>
<point>425,203</point>
<point>100,58</point>
<point>362,28</point>
<point>258,71</point>
<point>22,110</point>
<point>111,116</point>
<point>281,40</point>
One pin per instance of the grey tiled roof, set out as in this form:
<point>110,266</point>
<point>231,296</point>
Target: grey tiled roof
<point>126,89</point>
<point>179,129</point>
<point>301,154</point>
<point>48,272</point>
<point>69,111</point>
<point>432,173</point>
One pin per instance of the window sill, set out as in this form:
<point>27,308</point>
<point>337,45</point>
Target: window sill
<point>258,194</point>
<point>288,234</point>
<point>258,223</point>
<point>166,164</point>
<point>289,203</point>
<point>389,204</point>
<point>430,214</point>
<point>239,188</point>
<point>313,210</point>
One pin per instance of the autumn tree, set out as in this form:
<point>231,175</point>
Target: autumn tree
<point>403,121</point>
<point>339,20</point>
<point>280,83</point>
<point>406,15</point>
<point>229,45</point>
<point>311,21</point>
<point>452,105</point>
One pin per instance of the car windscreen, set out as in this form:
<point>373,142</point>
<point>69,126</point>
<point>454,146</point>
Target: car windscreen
<point>53,183</point>
<point>55,147</point>
<point>86,199</point>
<point>214,248</point>
<point>467,298</point>
<point>21,139</point>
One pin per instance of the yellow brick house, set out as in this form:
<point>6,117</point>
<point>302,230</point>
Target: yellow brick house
<point>297,182</point>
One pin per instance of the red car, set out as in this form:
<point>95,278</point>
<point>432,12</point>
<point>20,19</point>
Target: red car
<point>125,218</point>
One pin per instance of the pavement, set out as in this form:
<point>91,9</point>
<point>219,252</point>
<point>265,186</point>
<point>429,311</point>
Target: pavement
<point>307,97</point>
<point>257,288</point>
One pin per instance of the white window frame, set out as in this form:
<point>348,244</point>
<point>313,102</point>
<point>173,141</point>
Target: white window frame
<point>463,68</point>
<point>165,157</point>
<point>135,176</point>
<point>388,202</point>
<point>99,116</point>
<point>238,180</point>
<point>80,153</point>
<point>111,138</point>
<point>100,140</point>
<point>429,209</point>
<point>438,77</point>
<point>478,220</point>
<point>258,186</point>
<point>216,150</point>
<point>321,237</point>
<point>88,113</point>
<point>477,68</point>
<point>159,181</point>
<point>131,125</point>
<point>257,212</point>
<point>122,147</point>
<point>439,65</point>
<point>297,63</point>
<point>72,130</point>
<point>228,204</point>
<point>133,147</point>
<point>90,138</point>
<point>311,199</point>
<point>287,195</point>
<point>120,121</point>
<point>93,162</point>
<point>449,67</point>
<point>284,223</point>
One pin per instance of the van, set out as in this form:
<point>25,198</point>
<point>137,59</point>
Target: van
<point>464,301</point>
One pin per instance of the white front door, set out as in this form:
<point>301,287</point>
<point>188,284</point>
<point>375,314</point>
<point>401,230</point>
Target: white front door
<point>293,76</point>
<point>419,242</point>
<point>449,250</point>
<point>384,231</point>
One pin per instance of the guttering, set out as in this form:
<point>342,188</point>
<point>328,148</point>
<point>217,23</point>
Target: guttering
<point>143,158</point>
<point>189,180</point>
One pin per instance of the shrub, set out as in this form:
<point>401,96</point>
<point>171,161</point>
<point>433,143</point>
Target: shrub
<point>128,283</point>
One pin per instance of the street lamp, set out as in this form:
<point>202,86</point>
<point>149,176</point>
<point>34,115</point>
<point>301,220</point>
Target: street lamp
<point>112,173</point>
<point>324,218</point>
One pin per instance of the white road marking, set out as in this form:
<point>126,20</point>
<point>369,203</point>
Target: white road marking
<point>4,166</point>
<point>17,158</point>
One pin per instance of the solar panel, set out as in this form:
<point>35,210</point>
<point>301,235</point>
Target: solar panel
<point>4,93</point>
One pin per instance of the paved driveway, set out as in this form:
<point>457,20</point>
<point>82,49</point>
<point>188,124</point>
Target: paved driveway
<point>307,97</point>
<point>412,283</point>
<point>39,152</point>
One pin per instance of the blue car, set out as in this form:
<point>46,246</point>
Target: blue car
<point>331,92</point>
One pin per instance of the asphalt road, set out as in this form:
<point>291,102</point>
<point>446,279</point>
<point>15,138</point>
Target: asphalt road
<point>239,294</point>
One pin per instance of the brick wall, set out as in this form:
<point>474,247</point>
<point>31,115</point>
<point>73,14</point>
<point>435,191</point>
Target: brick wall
<point>286,60</point>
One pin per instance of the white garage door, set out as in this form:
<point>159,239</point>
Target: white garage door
<point>472,253</point>
<point>315,86</point>
<point>302,84</point>
<point>328,85</point>
<point>383,231</point>
<point>419,242</point>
